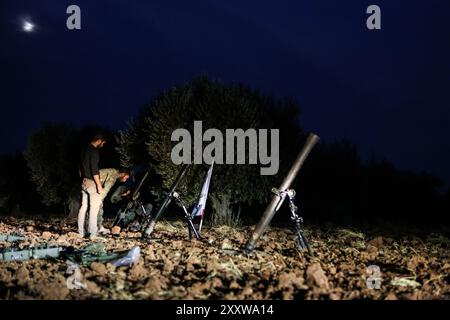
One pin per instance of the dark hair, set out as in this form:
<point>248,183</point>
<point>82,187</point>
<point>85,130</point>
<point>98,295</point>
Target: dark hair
<point>98,136</point>
<point>125,171</point>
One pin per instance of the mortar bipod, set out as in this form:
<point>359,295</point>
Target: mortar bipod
<point>295,218</point>
<point>187,216</point>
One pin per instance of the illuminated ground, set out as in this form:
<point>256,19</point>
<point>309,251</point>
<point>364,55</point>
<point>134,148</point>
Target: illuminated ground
<point>173,267</point>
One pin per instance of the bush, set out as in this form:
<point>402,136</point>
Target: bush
<point>50,155</point>
<point>53,155</point>
<point>220,106</point>
<point>17,193</point>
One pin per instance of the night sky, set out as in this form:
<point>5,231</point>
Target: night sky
<point>387,90</point>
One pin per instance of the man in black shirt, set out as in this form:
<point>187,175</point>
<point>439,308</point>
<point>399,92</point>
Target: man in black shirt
<point>91,188</point>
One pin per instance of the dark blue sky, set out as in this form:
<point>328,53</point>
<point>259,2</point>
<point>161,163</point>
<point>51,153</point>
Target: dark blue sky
<point>388,90</point>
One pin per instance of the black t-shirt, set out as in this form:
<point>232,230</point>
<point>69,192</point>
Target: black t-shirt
<point>89,162</point>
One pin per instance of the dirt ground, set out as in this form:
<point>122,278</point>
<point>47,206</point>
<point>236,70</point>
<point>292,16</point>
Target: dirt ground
<point>172,267</point>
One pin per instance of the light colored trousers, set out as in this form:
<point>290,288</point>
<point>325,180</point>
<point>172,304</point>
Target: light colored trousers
<point>90,202</point>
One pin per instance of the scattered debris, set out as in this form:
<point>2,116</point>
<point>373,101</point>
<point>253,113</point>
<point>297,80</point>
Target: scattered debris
<point>131,258</point>
<point>347,233</point>
<point>175,268</point>
<point>405,282</point>
<point>115,230</point>
<point>46,235</point>
<point>226,245</point>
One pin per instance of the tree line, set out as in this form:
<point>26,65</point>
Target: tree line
<point>335,185</point>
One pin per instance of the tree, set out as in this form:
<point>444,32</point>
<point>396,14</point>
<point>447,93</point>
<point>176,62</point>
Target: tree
<point>221,107</point>
<point>53,155</point>
<point>17,193</point>
<point>50,158</point>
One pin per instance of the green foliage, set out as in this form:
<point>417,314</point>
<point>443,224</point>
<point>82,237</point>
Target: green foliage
<point>218,106</point>
<point>224,213</point>
<point>53,156</point>
<point>5,179</point>
<point>17,192</point>
<point>52,161</point>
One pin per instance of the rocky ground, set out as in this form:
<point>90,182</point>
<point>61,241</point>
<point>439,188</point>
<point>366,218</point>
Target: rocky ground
<point>172,267</point>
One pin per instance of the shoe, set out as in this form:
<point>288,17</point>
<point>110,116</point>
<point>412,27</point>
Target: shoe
<point>104,231</point>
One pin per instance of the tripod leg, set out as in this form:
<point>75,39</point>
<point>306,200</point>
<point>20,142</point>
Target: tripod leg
<point>297,220</point>
<point>119,217</point>
<point>201,224</point>
<point>302,242</point>
<point>192,227</point>
<point>190,231</point>
<point>197,235</point>
<point>305,243</point>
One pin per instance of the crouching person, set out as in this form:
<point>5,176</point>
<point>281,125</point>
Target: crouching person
<point>108,178</point>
